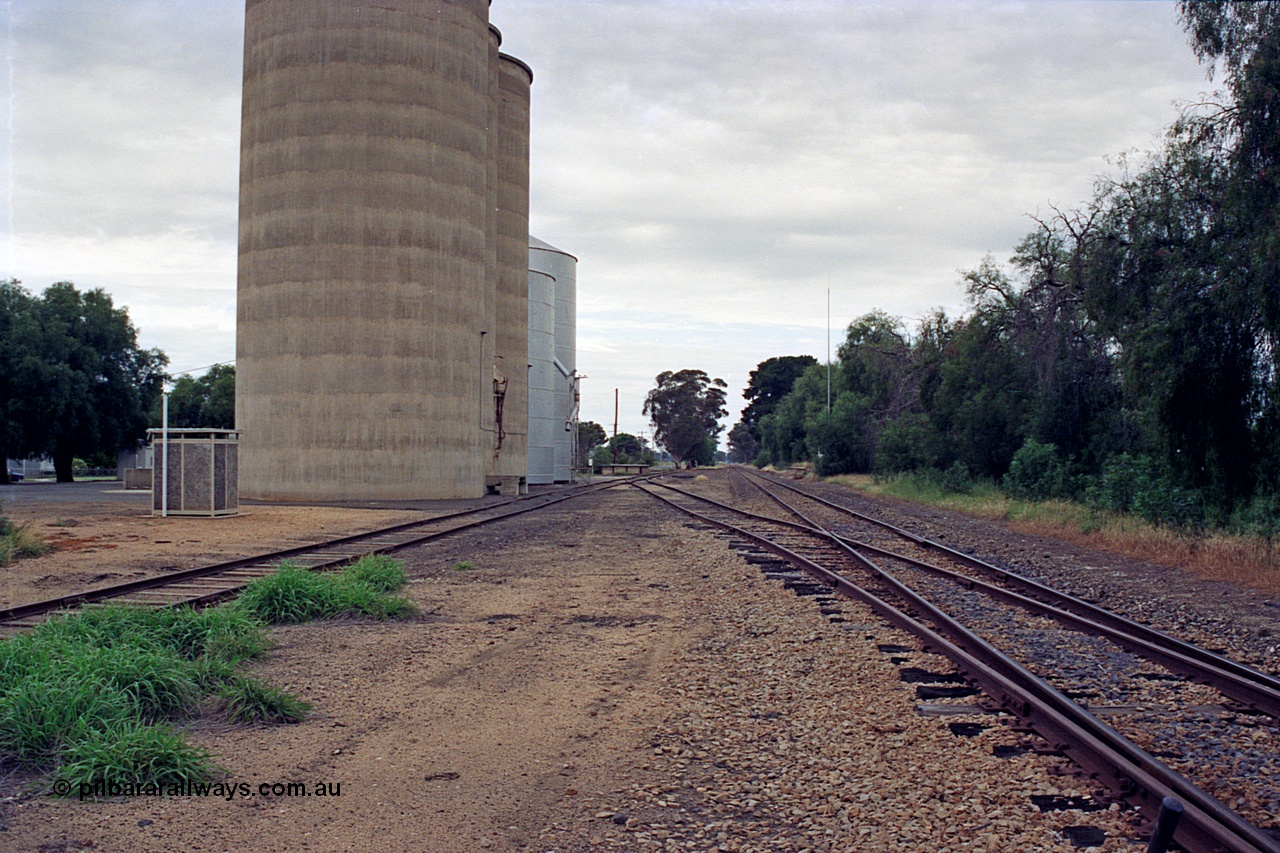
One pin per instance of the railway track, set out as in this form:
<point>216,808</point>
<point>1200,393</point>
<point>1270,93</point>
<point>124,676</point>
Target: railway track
<point>1253,691</point>
<point>1046,693</point>
<point>204,585</point>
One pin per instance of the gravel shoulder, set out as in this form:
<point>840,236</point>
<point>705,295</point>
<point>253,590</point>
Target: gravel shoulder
<point>605,676</point>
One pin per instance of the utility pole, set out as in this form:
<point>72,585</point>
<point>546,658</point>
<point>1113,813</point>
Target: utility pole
<point>615,426</point>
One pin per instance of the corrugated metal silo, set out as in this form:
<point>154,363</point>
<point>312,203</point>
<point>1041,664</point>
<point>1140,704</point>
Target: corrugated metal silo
<point>512,343</point>
<point>364,233</point>
<point>561,266</point>
<point>544,423</point>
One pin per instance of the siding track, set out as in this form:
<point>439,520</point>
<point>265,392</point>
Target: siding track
<point>203,585</point>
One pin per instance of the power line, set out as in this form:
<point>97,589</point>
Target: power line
<point>206,367</point>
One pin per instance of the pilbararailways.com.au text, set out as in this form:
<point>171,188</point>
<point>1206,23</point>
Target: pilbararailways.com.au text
<point>102,789</point>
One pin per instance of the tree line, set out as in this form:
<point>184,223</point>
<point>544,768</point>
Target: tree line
<point>1125,354</point>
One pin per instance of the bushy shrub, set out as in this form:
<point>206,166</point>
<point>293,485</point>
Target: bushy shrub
<point>1139,485</point>
<point>908,443</point>
<point>956,479</point>
<point>1259,517</point>
<point>1036,472</point>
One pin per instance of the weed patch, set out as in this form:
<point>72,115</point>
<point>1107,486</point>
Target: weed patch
<point>92,696</point>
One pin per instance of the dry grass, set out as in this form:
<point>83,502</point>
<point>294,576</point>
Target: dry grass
<point>1246,561</point>
<point>19,540</point>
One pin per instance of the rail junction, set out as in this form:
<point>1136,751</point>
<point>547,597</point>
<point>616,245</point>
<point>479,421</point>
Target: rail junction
<point>1041,702</point>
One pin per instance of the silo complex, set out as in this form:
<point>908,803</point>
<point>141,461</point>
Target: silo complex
<point>384,172</point>
<point>562,267</point>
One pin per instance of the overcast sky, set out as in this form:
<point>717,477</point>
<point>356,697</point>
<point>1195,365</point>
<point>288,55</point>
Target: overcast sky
<point>715,166</point>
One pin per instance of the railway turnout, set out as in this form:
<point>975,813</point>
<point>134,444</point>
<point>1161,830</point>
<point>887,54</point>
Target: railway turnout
<point>1046,693</point>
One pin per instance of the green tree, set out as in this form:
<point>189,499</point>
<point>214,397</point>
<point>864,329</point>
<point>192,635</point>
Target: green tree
<point>784,433</point>
<point>630,451</point>
<point>590,436</point>
<point>876,385</point>
<point>1241,138</point>
<point>1160,281</point>
<point>685,408</point>
<point>982,399</point>
<point>206,402</point>
<point>743,446</point>
<point>768,384</point>
<point>22,369</point>
<point>76,381</point>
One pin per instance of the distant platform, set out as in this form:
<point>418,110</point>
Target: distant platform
<point>621,469</point>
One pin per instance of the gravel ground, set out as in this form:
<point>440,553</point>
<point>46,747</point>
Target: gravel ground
<point>605,677</point>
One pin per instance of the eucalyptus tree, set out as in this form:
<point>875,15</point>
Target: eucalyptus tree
<point>685,407</point>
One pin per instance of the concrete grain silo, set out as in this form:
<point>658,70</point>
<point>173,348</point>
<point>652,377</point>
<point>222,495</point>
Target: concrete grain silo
<point>545,425</point>
<point>368,318</point>
<point>562,266</point>
<point>512,341</point>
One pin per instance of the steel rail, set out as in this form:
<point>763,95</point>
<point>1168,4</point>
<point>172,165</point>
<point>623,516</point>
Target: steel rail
<point>1208,826</point>
<point>1256,692</point>
<point>38,608</point>
<point>1235,672</point>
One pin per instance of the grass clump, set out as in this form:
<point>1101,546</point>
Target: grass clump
<point>92,695</point>
<point>223,633</point>
<point>248,700</point>
<point>464,566</point>
<point>293,594</point>
<point>382,573</point>
<point>126,751</point>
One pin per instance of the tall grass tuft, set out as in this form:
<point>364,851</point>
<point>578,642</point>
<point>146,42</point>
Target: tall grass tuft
<point>293,594</point>
<point>191,634</point>
<point>41,717</point>
<point>378,571</point>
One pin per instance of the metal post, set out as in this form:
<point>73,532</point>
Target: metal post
<point>164,442</point>
<point>1166,823</point>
